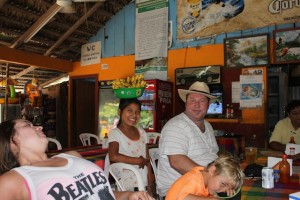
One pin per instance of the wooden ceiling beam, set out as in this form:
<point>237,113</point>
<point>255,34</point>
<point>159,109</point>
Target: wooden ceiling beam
<point>21,57</point>
<point>74,27</point>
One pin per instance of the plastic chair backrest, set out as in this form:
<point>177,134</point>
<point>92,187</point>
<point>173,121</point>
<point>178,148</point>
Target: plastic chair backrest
<point>118,170</point>
<point>86,138</point>
<point>153,136</point>
<point>106,165</point>
<point>154,155</point>
<point>58,145</point>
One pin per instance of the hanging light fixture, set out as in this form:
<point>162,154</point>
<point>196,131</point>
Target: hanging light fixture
<point>69,9</point>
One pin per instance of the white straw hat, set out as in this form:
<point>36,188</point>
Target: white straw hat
<point>197,87</point>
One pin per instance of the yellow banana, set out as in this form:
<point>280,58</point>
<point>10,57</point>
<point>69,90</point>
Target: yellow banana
<point>135,81</point>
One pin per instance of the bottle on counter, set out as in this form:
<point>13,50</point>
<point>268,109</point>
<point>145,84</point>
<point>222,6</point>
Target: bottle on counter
<point>284,170</point>
<point>228,111</point>
<point>231,111</point>
<point>292,140</point>
<point>105,141</point>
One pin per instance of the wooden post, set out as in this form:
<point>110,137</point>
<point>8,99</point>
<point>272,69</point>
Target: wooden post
<point>5,115</point>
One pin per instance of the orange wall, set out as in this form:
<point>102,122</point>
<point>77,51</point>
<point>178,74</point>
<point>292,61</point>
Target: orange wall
<point>118,67</point>
<point>123,66</point>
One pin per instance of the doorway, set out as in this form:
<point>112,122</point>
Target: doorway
<point>83,107</point>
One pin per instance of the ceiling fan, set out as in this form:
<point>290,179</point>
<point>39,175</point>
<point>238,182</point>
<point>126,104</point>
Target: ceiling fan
<point>67,5</point>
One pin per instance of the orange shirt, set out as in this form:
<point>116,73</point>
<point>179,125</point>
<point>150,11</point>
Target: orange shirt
<point>190,183</point>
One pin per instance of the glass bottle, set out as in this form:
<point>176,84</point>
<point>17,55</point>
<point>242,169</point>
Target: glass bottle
<point>284,170</point>
<point>292,140</point>
<point>105,141</point>
<point>231,111</point>
<point>228,111</point>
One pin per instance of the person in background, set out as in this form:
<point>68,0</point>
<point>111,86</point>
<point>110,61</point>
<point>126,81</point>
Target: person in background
<point>187,140</point>
<point>127,142</point>
<point>287,128</point>
<point>223,175</point>
<point>28,174</point>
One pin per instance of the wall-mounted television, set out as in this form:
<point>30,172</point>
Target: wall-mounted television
<point>216,109</point>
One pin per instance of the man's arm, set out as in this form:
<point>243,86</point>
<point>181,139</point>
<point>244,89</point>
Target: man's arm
<point>277,146</point>
<point>181,163</point>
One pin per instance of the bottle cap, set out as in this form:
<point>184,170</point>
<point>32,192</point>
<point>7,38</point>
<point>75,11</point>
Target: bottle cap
<point>284,156</point>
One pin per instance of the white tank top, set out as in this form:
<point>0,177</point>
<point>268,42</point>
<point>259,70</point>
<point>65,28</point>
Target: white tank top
<point>79,179</point>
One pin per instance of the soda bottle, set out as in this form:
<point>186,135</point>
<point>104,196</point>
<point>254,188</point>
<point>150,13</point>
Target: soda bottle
<point>284,170</point>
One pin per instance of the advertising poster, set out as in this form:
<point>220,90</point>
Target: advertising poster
<point>203,18</point>
<point>251,91</point>
<point>151,41</point>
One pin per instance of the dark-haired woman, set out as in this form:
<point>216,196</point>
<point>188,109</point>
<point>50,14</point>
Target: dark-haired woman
<point>28,174</point>
<point>127,142</point>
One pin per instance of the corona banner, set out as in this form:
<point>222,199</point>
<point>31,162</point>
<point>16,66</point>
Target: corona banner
<point>198,19</point>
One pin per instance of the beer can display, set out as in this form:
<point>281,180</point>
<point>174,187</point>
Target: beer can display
<point>267,178</point>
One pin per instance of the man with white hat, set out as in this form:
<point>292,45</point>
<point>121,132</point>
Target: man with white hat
<point>187,140</point>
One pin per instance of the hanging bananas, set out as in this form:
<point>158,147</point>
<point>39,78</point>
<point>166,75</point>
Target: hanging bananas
<point>136,81</point>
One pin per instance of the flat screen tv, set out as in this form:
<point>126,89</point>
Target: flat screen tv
<point>216,108</point>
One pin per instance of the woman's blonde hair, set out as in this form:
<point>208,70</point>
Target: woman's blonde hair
<point>229,167</point>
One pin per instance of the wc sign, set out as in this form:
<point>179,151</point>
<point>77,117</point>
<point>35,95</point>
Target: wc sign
<point>90,53</point>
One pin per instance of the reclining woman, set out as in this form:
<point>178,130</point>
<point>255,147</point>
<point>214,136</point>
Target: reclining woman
<point>28,174</point>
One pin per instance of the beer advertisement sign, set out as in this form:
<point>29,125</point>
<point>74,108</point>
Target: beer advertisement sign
<point>198,19</point>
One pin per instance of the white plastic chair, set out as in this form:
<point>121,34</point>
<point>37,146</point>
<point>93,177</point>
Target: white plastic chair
<point>154,136</point>
<point>58,145</point>
<point>118,170</point>
<point>154,155</point>
<point>86,138</point>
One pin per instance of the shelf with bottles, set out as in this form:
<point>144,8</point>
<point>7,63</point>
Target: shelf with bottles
<point>49,114</point>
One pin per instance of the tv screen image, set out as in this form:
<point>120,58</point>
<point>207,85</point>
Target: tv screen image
<point>216,108</point>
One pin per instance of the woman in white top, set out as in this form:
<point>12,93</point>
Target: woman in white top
<point>127,142</point>
<point>28,174</point>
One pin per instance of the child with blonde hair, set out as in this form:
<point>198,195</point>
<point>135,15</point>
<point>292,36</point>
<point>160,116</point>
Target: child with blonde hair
<point>222,175</point>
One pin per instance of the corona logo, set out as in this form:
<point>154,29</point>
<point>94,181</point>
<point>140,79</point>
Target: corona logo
<point>189,25</point>
<point>276,6</point>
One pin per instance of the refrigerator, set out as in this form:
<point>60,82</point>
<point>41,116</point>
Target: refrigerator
<point>156,106</point>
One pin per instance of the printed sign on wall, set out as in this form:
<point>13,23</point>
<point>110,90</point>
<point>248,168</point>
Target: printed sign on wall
<point>90,53</point>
